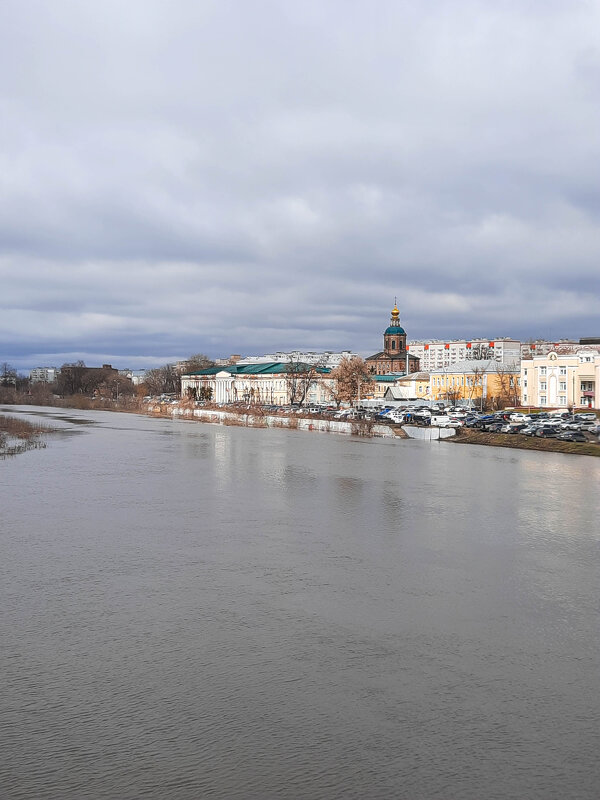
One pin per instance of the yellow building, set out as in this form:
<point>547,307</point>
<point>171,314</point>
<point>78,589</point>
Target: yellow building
<point>476,382</point>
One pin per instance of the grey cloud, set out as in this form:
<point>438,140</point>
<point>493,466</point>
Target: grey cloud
<point>232,176</point>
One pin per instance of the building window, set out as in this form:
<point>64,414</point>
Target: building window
<point>542,370</point>
<point>563,370</point>
<point>543,386</point>
<point>543,400</point>
<point>562,386</point>
<point>393,344</point>
<point>524,398</point>
<point>562,401</point>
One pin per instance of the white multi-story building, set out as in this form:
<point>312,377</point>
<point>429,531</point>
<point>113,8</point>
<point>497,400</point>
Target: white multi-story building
<point>435,354</point>
<point>327,359</point>
<point>541,347</point>
<point>44,374</point>
<point>556,380</point>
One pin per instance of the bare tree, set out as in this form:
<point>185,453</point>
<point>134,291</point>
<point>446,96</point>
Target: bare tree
<point>163,380</point>
<point>8,375</point>
<point>351,380</point>
<point>508,387</point>
<point>115,387</point>
<point>70,378</point>
<point>299,377</point>
<point>453,394</point>
<point>197,362</point>
<point>475,384</point>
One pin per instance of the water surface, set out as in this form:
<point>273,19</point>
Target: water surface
<point>193,611</point>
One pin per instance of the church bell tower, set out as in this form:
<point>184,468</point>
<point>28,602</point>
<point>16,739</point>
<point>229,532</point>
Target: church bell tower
<point>394,336</point>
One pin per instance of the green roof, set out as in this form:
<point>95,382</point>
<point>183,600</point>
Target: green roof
<point>267,368</point>
<point>394,329</point>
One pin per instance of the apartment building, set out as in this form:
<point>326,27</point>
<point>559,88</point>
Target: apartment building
<point>328,358</point>
<point>43,374</point>
<point>541,347</point>
<point>436,354</point>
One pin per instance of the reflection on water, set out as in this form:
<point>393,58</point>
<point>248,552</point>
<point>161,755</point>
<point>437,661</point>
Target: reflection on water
<point>199,611</point>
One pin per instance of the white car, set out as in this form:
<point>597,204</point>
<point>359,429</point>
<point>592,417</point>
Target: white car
<point>396,416</point>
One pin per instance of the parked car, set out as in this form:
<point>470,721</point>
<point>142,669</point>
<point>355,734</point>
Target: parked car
<point>529,430</point>
<point>518,428</point>
<point>548,431</point>
<point>572,436</point>
<point>396,417</point>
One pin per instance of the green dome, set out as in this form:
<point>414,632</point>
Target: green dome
<point>394,329</point>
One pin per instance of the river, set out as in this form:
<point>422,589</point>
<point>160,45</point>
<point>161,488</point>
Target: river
<point>194,611</point>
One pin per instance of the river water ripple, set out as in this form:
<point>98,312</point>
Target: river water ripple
<point>192,611</point>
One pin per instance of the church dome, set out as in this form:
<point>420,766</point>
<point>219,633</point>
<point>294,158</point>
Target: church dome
<point>395,312</point>
<point>394,329</point>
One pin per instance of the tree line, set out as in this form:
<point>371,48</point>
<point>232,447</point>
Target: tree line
<point>76,379</point>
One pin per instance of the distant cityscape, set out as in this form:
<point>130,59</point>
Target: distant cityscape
<point>537,373</point>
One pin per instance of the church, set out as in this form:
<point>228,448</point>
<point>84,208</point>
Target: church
<point>395,353</point>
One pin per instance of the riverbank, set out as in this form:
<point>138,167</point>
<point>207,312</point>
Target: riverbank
<point>363,428</point>
<point>518,442</point>
<point>12,444</point>
<point>255,418</point>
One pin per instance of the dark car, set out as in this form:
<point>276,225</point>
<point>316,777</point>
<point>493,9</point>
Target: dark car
<point>572,436</point>
<point>517,428</point>
<point>547,432</point>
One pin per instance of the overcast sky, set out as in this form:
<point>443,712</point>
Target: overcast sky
<point>251,175</point>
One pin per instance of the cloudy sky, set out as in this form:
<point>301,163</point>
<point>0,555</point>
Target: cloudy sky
<point>218,176</point>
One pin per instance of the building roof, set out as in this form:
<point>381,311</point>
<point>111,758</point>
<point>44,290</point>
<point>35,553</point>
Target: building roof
<point>392,377</point>
<point>268,368</point>
<point>398,393</point>
<point>414,376</point>
<point>394,329</point>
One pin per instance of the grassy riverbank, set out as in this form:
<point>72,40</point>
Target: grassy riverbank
<point>18,436</point>
<point>519,442</point>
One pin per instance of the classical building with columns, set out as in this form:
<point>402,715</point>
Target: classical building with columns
<point>277,383</point>
<point>394,356</point>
